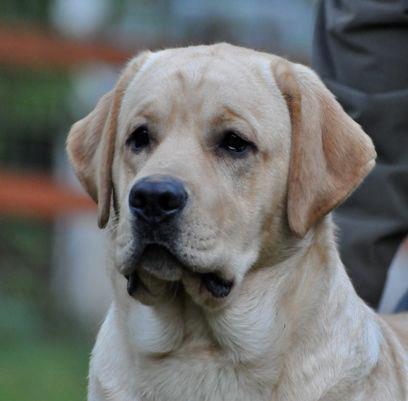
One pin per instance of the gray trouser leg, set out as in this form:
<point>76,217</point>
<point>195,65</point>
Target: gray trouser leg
<point>361,53</point>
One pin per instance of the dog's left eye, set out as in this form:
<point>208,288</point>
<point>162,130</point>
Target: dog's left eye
<point>232,142</point>
<point>139,138</point>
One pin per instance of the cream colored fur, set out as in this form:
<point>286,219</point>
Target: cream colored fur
<point>293,327</point>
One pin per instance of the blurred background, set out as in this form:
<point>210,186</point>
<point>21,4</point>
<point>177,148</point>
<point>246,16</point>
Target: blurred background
<point>57,57</point>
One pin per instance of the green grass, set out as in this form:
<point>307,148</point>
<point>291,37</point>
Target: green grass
<point>42,371</point>
<point>44,350</point>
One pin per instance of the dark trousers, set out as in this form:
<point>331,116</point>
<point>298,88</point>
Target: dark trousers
<point>361,53</point>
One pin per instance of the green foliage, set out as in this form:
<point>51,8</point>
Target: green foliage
<point>34,110</point>
<point>25,249</point>
<point>25,10</point>
<point>43,371</point>
<point>32,101</point>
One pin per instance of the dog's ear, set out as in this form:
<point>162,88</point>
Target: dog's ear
<point>91,143</point>
<point>330,153</point>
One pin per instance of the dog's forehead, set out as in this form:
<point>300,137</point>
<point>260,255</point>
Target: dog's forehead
<point>194,62</point>
<point>223,72</point>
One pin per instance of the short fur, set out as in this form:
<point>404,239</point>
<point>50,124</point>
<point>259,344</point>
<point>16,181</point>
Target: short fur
<point>293,327</point>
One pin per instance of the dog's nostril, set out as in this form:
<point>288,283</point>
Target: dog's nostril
<point>138,200</point>
<point>169,201</point>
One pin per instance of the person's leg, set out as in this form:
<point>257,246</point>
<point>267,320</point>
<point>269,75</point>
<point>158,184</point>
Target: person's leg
<point>361,53</point>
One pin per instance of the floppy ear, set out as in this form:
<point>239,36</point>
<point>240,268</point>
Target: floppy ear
<point>91,143</point>
<point>330,153</point>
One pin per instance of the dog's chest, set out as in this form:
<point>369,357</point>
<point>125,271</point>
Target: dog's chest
<point>203,364</point>
<point>201,378</point>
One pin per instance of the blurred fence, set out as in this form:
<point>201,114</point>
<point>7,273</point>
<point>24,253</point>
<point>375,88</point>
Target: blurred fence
<point>57,57</point>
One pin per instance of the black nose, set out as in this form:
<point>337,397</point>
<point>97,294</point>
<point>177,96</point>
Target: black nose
<point>157,197</point>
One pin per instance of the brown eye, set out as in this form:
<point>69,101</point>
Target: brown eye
<point>139,138</point>
<point>233,143</point>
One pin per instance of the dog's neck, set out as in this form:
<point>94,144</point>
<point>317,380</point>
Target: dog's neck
<point>287,315</point>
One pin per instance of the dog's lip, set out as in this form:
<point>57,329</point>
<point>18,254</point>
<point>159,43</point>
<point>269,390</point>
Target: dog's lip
<point>132,283</point>
<point>216,285</point>
<point>212,281</point>
<point>154,247</point>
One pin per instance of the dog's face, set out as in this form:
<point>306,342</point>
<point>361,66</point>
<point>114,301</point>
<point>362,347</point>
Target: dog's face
<point>216,159</point>
<point>201,158</point>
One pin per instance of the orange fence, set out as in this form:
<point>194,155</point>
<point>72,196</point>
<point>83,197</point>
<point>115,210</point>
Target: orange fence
<point>39,196</point>
<point>35,48</point>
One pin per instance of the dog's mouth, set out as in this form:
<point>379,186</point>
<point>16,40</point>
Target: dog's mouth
<point>158,261</point>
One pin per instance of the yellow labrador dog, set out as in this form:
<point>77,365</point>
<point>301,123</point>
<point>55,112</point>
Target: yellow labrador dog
<point>214,169</point>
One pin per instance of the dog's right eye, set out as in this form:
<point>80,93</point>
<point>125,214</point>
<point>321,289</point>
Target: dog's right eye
<point>139,138</point>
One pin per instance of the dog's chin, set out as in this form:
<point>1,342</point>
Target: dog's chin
<point>159,262</point>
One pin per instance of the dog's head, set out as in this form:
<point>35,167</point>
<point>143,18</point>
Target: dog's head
<point>206,160</point>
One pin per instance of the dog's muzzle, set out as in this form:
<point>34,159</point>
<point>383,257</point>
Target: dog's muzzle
<point>155,202</point>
